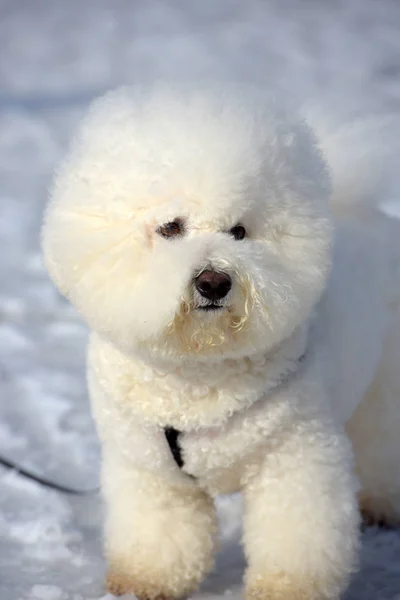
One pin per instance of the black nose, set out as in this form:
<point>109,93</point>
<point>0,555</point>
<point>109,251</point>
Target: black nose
<point>213,285</point>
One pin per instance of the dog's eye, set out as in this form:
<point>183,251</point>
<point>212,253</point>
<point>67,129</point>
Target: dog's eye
<point>172,229</point>
<point>238,232</point>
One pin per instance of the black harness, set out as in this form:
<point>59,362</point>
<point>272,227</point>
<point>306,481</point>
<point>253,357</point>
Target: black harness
<point>172,437</point>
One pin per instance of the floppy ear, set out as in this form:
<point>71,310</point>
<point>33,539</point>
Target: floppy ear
<point>93,240</point>
<point>91,255</point>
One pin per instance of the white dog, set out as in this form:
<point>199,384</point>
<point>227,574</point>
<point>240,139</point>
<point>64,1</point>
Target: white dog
<point>239,330</point>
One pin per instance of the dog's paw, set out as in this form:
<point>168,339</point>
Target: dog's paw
<point>118,584</point>
<point>279,586</point>
<point>378,512</point>
<point>155,587</point>
<point>372,519</point>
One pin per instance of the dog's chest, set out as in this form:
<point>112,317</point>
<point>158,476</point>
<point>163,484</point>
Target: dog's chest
<point>203,457</point>
<point>221,457</point>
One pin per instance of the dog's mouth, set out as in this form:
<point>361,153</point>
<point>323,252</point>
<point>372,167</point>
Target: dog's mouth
<point>210,307</point>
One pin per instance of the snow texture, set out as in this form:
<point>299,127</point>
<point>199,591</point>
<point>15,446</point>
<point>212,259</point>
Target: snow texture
<point>54,57</point>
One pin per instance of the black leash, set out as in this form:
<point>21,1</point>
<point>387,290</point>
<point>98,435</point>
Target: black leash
<point>43,480</point>
<point>171,435</point>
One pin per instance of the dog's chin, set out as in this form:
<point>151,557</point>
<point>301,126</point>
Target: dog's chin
<point>202,330</point>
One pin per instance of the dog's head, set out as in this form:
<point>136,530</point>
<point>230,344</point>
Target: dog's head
<point>190,222</point>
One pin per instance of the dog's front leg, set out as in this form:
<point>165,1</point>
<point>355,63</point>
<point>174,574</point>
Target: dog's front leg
<point>159,535</point>
<point>301,517</point>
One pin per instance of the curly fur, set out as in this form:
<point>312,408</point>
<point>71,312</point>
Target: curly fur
<point>268,390</point>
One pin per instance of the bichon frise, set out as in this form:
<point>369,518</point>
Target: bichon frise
<point>245,325</point>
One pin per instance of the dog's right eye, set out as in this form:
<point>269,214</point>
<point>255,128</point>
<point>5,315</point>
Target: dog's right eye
<point>172,229</point>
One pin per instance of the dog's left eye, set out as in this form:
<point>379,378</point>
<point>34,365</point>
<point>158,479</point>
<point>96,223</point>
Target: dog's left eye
<point>172,229</point>
<point>238,232</point>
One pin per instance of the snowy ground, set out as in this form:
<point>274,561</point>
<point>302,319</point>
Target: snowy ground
<point>54,57</point>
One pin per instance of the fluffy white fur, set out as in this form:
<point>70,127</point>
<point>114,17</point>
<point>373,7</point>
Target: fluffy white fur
<point>305,347</point>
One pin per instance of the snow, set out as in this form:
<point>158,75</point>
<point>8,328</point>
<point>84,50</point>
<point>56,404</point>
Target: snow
<point>54,57</point>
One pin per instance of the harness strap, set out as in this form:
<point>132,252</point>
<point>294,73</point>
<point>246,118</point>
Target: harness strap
<point>172,437</point>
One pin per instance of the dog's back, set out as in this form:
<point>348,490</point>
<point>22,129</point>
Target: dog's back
<point>362,307</point>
